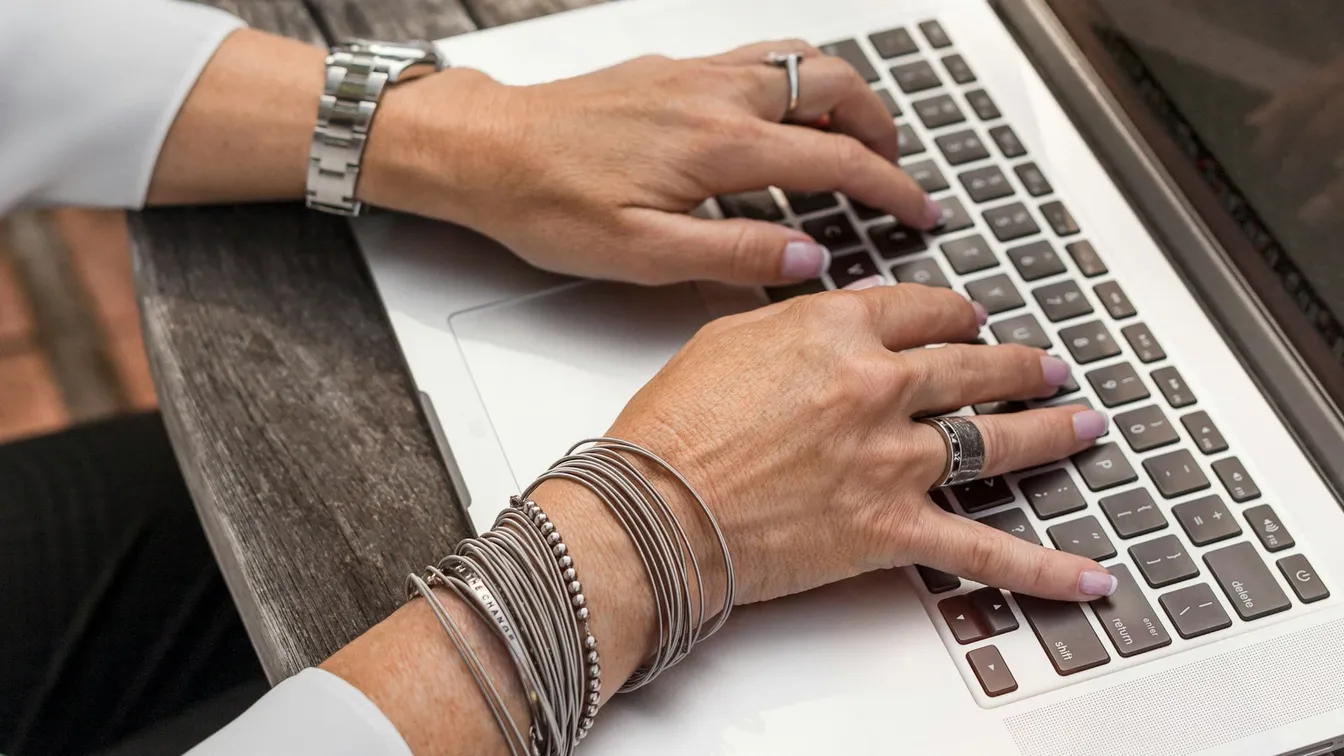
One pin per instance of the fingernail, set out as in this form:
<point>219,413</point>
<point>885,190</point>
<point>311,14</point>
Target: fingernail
<point>864,283</point>
<point>1056,374</point>
<point>1092,583</point>
<point>981,314</point>
<point>1089,425</point>
<point>804,259</point>
<point>934,216</point>
<point>1317,210</point>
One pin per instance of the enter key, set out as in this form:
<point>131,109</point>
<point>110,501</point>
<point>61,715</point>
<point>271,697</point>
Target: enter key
<point>1128,617</point>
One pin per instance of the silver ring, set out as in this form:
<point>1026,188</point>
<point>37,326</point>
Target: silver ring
<point>965,449</point>
<point>788,62</point>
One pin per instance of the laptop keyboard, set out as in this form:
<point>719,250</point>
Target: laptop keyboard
<point>1159,500</point>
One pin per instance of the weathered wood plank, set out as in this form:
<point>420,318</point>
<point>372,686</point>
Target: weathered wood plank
<point>394,19</point>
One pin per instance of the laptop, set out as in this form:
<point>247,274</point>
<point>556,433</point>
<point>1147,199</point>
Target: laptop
<point>1106,201</point>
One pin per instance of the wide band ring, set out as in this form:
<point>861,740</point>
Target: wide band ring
<point>789,62</point>
<point>965,449</point>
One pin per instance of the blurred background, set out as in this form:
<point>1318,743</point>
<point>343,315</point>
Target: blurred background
<point>70,345</point>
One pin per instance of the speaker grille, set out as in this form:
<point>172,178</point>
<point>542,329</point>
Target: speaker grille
<point>1199,705</point>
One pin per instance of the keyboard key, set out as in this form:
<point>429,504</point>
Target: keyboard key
<point>1172,386</point>
<point>1142,342</point>
<point>969,254</point>
<point>1085,257</point>
<point>1195,611</point>
<point>888,102</point>
<point>961,147</point>
<point>982,104</point>
<point>1117,384</point>
<point>955,217</point>
<point>908,141</point>
<point>864,212</point>
<point>1023,329</point>
<point>1133,513</point>
<point>849,51</point>
<point>985,184</point>
<point>1031,177</point>
<point>1163,561</point>
<point>893,43</point>
<point>1104,466</point>
<point>1204,432</point>
<point>914,77</point>
<point>992,672</point>
<point>992,611</point>
<point>1246,581</point>
<point>1146,428</point>
<point>1036,260</point>
<point>1010,145</point>
<point>933,32</point>
<point>1070,386</point>
<point>996,293</point>
<point>1176,473</point>
<point>926,174</point>
<point>803,203</point>
<point>1114,300</point>
<point>1206,520</point>
<point>958,69</point>
<point>1062,301</point>
<point>1129,619</point>
<point>846,269</point>
<point>758,205</point>
<point>1083,537</point>
<point>1239,484</point>
<point>1089,342</point>
<point>1052,494</point>
<point>1303,579</point>
<point>1011,222</point>
<point>960,619</point>
<point>1269,528</point>
<point>938,111</point>
<point>999,408</point>
<point>1059,218</point>
<point>894,239</point>
<point>979,495</point>
<point>781,293</point>
<point>924,271</point>
<point>1064,634</point>
<point>833,231</point>
<point>937,581</point>
<point>1013,522</point>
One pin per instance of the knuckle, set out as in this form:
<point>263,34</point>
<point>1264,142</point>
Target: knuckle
<point>846,153</point>
<point>984,555</point>
<point>746,255</point>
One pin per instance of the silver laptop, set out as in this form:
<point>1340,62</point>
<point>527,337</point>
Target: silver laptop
<point>1117,217</point>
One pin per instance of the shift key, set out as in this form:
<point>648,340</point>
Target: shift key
<point>1064,633</point>
<point>1128,617</point>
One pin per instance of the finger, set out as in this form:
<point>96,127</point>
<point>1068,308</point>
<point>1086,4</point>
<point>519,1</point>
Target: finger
<point>1016,440</point>
<point>959,375</point>
<point>756,52</point>
<point>978,552</point>
<point>904,316</point>
<point>733,251</point>
<point>775,308</point>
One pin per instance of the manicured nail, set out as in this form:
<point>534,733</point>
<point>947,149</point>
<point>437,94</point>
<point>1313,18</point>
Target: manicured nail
<point>934,215</point>
<point>864,283</point>
<point>1089,425</point>
<point>804,259</point>
<point>1097,584</point>
<point>1056,374</point>
<point>981,314</point>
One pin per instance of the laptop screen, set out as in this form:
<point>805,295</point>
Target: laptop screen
<point>1248,96</point>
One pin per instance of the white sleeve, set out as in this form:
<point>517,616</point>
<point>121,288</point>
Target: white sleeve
<point>313,713</point>
<point>90,88</point>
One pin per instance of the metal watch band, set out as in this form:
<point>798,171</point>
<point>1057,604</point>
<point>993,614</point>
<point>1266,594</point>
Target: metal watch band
<point>357,73</point>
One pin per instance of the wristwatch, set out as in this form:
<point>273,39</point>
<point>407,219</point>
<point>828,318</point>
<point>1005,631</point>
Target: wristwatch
<point>357,72</point>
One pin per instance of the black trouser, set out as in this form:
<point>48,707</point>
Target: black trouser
<point>113,614</point>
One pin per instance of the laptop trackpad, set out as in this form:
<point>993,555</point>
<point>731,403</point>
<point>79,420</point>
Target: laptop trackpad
<point>557,367</point>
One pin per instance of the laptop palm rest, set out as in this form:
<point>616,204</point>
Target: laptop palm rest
<point>558,366</point>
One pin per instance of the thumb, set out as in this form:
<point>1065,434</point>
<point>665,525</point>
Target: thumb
<point>734,250</point>
<point>978,552</point>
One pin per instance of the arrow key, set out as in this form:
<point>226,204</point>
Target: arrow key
<point>989,668</point>
<point>960,617</point>
<point>992,611</point>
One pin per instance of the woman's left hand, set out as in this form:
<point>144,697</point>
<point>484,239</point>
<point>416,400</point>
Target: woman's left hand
<point>595,175</point>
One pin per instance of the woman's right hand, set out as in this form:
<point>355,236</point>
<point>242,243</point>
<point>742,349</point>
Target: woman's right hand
<point>795,424</point>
